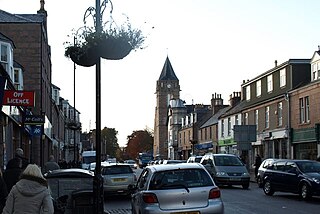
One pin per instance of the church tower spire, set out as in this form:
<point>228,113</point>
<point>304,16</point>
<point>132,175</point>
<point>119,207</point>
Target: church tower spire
<point>167,88</point>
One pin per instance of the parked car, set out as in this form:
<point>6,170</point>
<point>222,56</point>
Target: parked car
<point>176,188</point>
<point>93,165</point>
<point>226,169</point>
<point>296,176</point>
<point>171,161</point>
<point>71,190</point>
<point>194,159</point>
<point>132,163</point>
<point>263,167</point>
<point>117,177</point>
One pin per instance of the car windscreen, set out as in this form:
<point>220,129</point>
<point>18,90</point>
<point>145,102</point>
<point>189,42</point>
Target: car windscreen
<point>180,178</point>
<point>227,161</point>
<point>88,159</point>
<point>117,169</point>
<point>309,166</point>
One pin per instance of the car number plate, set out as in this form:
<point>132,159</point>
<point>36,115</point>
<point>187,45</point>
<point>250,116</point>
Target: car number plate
<point>235,179</point>
<point>119,179</point>
<point>192,212</point>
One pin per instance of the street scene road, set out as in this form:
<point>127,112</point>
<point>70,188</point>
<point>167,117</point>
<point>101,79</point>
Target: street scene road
<point>240,201</point>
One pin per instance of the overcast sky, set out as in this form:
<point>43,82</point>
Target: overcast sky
<point>213,45</point>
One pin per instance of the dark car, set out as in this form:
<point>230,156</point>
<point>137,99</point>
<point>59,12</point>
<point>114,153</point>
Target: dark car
<point>263,167</point>
<point>296,176</point>
<point>71,190</point>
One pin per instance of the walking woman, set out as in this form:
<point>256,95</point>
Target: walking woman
<point>30,194</point>
<point>3,192</point>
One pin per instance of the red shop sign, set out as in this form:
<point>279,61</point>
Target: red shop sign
<point>18,98</point>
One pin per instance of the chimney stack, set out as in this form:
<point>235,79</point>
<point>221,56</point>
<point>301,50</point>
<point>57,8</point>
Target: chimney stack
<point>275,63</point>
<point>235,98</point>
<point>216,103</point>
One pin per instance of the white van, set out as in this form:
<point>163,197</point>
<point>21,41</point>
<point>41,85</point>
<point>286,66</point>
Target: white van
<point>88,157</point>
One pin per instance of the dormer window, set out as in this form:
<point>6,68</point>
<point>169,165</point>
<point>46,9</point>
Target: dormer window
<point>248,92</point>
<point>6,58</point>
<point>18,79</point>
<point>283,77</point>
<point>269,83</point>
<point>314,71</point>
<point>318,69</point>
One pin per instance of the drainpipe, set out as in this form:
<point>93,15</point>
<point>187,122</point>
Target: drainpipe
<point>289,150</point>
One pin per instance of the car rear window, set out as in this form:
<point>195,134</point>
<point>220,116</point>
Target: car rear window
<point>117,169</point>
<point>182,178</point>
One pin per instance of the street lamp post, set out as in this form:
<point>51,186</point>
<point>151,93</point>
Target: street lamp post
<point>74,110</point>
<point>98,180</point>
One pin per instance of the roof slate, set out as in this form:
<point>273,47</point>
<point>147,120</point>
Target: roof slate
<point>167,72</point>
<point>6,17</point>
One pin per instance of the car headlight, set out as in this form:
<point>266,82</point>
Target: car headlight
<point>316,180</point>
<point>245,174</point>
<point>221,174</point>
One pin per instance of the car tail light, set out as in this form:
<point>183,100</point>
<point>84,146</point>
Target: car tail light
<point>150,198</point>
<point>214,193</point>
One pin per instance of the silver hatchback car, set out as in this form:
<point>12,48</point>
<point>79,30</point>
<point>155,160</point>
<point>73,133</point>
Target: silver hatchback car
<point>117,177</point>
<point>176,188</point>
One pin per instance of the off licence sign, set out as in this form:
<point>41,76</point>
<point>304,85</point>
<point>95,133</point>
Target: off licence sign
<point>18,98</point>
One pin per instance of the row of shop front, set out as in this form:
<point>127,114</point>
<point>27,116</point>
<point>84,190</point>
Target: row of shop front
<point>292,144</point>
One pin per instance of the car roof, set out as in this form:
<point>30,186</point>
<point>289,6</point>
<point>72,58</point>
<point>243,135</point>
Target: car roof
<point>165,167</point>
<point>221,154</point>
<point>294,160</point>
<point>73,173</point>
<point>115,164</point>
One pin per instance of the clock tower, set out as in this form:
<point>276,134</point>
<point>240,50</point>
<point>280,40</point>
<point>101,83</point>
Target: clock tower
<point>167,88</point>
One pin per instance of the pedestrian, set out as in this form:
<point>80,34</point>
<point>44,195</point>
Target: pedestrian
<point>12,173</point>
<point>50,165</point>
<point>257,164</point>
<point>19,155</point>
<point>30,194</point>
<point>3,192</point>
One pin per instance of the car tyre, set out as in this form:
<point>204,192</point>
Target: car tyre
<point>267,188</point>
<point>245,186</point>
<point>305,192</point>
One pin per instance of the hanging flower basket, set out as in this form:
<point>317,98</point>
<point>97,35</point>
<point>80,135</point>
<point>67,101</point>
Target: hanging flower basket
<point>84,56</point>
<point>113,43</point>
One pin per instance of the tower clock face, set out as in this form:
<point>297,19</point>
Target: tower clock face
<point>168,85</point>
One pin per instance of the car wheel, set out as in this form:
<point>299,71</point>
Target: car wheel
<point>259,181</point>
<point>305,193</point>
<point>245,186</point>
<point>267,188</point>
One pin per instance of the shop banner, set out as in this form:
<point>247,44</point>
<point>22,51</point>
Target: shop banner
<point>18,98</point>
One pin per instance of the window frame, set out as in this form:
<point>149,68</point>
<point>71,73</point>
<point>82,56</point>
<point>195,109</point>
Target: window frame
<point>283,78</point>
<point>267,117</point>
<point>269,83</point>
<point>258,88</point>
<point>248,93</point>
<point>280,113</point>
